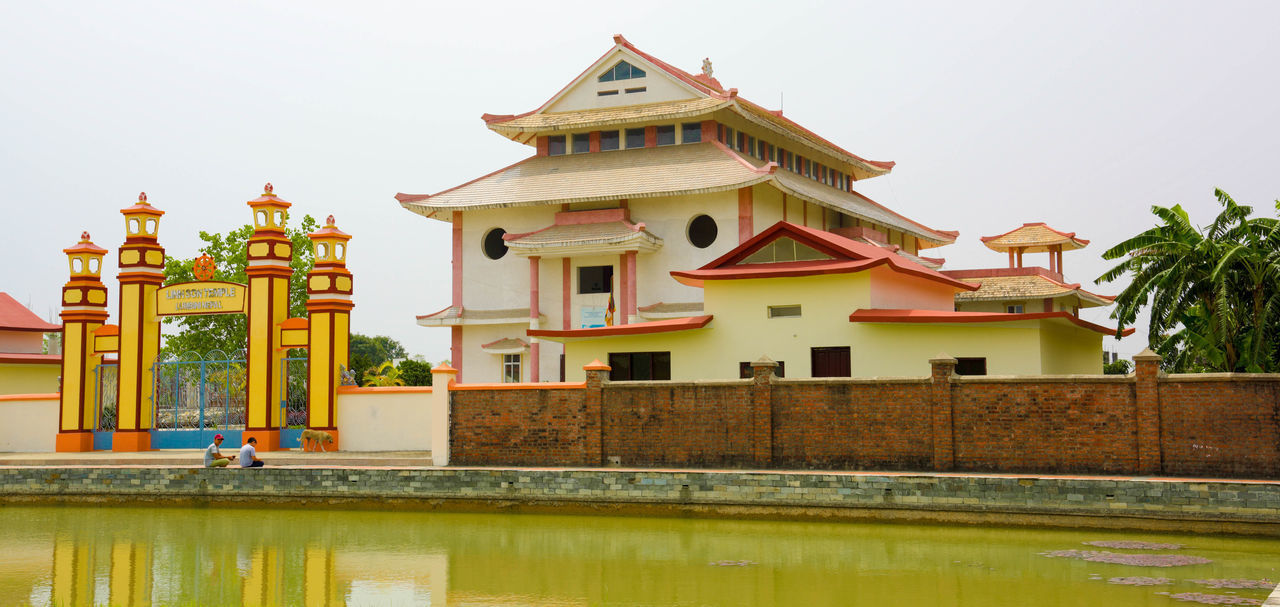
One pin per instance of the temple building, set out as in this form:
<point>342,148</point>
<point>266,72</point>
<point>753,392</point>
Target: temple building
<point>643,178</point>
<point>24,367</point>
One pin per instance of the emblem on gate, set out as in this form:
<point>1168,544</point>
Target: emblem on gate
<point>203,267</point>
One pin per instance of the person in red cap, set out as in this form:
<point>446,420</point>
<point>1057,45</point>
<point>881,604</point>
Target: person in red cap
<point>213,457</point>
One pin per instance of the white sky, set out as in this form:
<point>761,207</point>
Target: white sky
<point>1079,114</point>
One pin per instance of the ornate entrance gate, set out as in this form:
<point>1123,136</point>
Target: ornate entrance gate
<point>106,376</point>
<point>194,399</point>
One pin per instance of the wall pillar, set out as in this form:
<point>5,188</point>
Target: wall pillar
<point>1019,257</point>
<point>762,373</point>
<point>1146,375</point>
<point>269,253</point>
<point>84,309</point>
<point>535,348</point>
<point>629,295</point>
<point>442,379</point>
<point>329,293</point>
<point>141,265</point>
<point>566,297</point>
<point>744,214</point>
<point>593,410</point>
<point>943,367</point>
<point>455,341</point>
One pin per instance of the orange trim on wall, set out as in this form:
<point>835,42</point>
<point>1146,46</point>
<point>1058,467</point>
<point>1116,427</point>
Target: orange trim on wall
<point>11,397</point>
<point>384,389</point>
<point>521,386</point>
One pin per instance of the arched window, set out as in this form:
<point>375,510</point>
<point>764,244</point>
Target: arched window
<point>622,71</point>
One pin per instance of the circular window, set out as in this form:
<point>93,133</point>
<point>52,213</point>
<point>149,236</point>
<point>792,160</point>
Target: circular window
<point>702,231</point>
<point>494,246</point>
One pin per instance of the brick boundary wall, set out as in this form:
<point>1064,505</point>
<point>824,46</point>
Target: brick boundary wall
<point>1219,425</point>
<point>1129,503</point>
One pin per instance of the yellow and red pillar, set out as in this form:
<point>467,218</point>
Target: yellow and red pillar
<point>269,253</point>
<point>141,263</point>
<point>84,309</point>
<point>329,324</point>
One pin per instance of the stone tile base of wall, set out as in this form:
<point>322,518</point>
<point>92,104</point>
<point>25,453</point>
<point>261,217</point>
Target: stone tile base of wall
<point>1148,504</point>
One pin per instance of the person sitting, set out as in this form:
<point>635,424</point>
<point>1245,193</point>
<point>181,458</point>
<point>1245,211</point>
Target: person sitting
<point>249,455</point>
<point>213,457</point>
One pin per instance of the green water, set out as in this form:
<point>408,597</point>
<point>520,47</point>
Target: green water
<point>82,555</point>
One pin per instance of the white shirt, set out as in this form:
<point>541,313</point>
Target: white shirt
<point>247,453</point>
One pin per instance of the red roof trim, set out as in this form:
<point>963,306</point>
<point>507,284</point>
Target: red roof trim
<point>641,328</point>
<point>694,278</point>
<point>1071,235</point>
<point>944,316</point>
<point>17,358</point>
<point>446,309</point>
<point>16,317</point>
<point>522,342</point>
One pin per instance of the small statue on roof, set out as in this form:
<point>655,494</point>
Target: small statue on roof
<point>142,197</point>
<point>84,236</point>
<point>706,67</point>
<point>329,221</point>
<point>268,189</point>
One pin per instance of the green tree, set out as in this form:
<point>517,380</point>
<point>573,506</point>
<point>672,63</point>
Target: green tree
<point>227,332</point>
<point>377,350</point>
<point>1119,367</point>
<point>1213,294</point>
<point>385,374</point>
<point>415,372</point>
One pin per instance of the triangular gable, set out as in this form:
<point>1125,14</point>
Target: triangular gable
<point>782,250</point>
<point>584,92</point>
<point>799,234</point>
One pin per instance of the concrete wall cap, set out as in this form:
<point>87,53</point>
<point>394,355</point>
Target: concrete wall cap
<point>1043,379</point>
<point>443,368</point>
<point>942,358</point>
<point>596,365</point>
<point>1145,355</point>
<point>1194,377</point>
<point>765,361</point>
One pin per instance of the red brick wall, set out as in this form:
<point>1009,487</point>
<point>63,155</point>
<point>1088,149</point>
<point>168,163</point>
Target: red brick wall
<point>686,425</point>
<point>1224,426</point>
<point>852,426</point>
<point>1220,428</point>
<point>1073,427</point>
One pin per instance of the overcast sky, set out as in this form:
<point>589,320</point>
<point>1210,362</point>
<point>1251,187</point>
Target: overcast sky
<point>1079,114</point>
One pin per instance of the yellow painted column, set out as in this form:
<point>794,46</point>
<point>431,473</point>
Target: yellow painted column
<point>84,309</point>
<point>141,273</point>
<point>329,288</point>
<point>269,252</point>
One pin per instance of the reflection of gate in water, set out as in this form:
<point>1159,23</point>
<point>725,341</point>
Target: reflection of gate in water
<point>194,399</point>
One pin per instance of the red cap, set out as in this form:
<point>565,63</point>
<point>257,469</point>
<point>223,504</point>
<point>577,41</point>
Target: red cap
<point>217,436</point>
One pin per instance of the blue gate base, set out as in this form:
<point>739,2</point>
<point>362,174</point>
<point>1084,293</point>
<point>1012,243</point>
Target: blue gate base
<point>102,440</point>
<point>194,439</point>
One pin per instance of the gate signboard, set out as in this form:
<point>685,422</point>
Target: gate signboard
<point>205,297</point>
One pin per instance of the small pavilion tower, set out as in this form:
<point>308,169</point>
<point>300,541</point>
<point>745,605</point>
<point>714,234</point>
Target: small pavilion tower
<point>269,252</point>
<point>84,308</point>
<point>141,273</point>
<point>1035,238</point>
<point>329,308</point>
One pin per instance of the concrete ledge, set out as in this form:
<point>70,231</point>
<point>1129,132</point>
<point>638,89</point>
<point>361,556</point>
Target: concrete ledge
<point>1103,502</point>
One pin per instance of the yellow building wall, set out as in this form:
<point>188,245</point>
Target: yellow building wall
<point>29,379</point>
<point>892,290</point>
<point>1068,349</point>
<point>904,349</point>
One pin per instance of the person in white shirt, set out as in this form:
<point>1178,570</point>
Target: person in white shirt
<point>249,455</point>
<point>213,457</point>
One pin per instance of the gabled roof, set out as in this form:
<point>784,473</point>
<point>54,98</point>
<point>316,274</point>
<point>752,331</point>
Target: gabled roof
<point>16,317</point>
<point>1034,238</point>
<point>1025,285</point>
<point>946,316</point>
<point>702,87</point>
<point>585,232</point>
<point>697,168</point>
<point>845,256</point>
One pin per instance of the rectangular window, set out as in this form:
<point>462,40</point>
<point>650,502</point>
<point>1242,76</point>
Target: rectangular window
<point>1013,309</point>
<point>635,138</point>
<point>608,140</point>
<point>784,311</point>
<point>639,366</point>
<point>638,89</point>
<point>971,366</point>
<point>691,132</point>
<point>555,145</point>
<point>595,279</point>
<point>741,142</point>
<point>744,370</point>
<point>511,368</point>
<point>607,93</point>
<point>830,362</point>
<point>667,134</point>
<point>581,143</point>
<point>751,146</point>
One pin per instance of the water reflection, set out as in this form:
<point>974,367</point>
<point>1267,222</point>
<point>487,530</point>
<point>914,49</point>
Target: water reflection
<point>218,556</point>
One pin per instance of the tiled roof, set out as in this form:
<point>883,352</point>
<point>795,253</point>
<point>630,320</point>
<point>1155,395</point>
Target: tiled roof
<point>591,229</point>
<point>16,317</point>
<point>508,345</point>
<point>947,316</point>
<point>567,121</point>
<point>859,206</point>
<point>668,310</point>
<point>640,328</point>
<point>1034,238</point>
<point>1026,287</point>
<point>639,173</point>
<point>455,315</point>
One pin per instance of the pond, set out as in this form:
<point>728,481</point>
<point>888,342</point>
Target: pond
<point>141,555</point>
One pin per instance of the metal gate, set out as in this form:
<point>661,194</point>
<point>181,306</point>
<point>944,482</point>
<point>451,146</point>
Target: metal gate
<point>293,400</point>
<point>193,399</point>
<point>105,378</point>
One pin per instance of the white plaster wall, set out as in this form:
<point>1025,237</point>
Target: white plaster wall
<point>370,420</point>
<point>28,425</point>
<point>25,342</point>
<point>659,87</point>
<point>668,217</point>
<point>490,284</point>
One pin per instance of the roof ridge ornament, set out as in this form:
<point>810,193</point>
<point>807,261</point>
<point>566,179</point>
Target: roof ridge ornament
<point>142,198</point>
<point>268,190</point>
<point>84,236</point>
<point>328,222</point>
<point>706,67</point>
